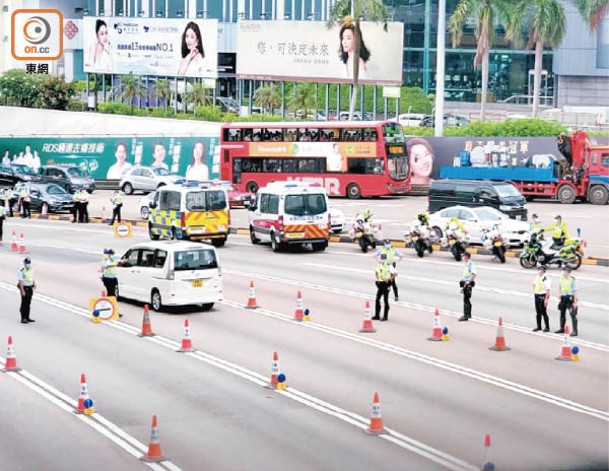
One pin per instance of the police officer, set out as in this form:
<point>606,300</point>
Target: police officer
<point>117,204</point>
<point>77,207</point>
<point>2,218</point>
<point>84,206</point>
<point>536,225</point>
<point>467,283</point>
<point>393,257</point>
<point>24,198</point>
<point>7,201</point>
<point>109,272</point>
<point>560,233</point>
<point>26,285</point>
<point>568,300</point>
<point>384,275</point>
<point>541,290</point>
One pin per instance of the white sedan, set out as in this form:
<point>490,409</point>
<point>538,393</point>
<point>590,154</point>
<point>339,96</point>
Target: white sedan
<point>476,219</point>
<point>337,220</point>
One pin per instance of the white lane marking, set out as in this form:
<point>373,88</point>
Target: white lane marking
<point>442,364</point>
<point>405,442</point>
<point>419,307</point>
<point>430,281</point>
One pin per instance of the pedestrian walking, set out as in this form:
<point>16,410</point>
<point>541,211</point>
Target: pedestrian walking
<point>26,285</point>
<point>117,204</point>
<point>384,274</point>
<point>393,257</point>
<point>467,284</point>
<point>24,199</point>
<point>542,287</point>
<point>568,301</point>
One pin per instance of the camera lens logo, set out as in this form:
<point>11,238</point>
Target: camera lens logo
<point>37,34</point>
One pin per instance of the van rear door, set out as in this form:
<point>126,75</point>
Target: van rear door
<point>196,277</point>
<point>306,216</point>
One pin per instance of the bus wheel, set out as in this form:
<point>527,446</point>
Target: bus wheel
<point>353,191</point>
<point>252,187</point>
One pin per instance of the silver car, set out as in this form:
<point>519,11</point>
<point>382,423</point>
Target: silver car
<point>146,179</point>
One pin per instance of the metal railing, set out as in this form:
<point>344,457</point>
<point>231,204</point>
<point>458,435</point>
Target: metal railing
<point>521,99</point>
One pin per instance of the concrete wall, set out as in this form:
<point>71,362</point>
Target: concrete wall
<point>582,91</point>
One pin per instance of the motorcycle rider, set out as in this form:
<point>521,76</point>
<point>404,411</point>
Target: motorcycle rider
<point>560,233</point>
<point>364,214</point>
<point>536,224</point>
<point>392,256</point>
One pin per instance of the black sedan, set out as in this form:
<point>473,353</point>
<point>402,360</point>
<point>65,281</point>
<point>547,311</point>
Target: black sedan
<point>53,196</point>
<point>12,174</point>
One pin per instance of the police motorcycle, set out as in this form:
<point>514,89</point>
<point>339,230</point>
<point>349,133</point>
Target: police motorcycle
<point>538,251</point>
<point>363,231</point>
<point>455,239</point>
<point>420,237</point>
<point>496,241</point>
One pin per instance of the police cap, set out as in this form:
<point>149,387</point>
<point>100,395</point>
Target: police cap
<point>27,260</point>
<point>467,254</point>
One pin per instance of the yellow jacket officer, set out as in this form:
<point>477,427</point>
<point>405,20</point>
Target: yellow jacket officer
<point>567,286</point>
<point>541,291</point>
<point>26,285</point>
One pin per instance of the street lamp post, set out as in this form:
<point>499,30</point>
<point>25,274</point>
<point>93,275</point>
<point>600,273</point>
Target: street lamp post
<point>440,66</point>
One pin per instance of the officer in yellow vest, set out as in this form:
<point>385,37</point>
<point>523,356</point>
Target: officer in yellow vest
<point>393,257</point>
<point>109,272</point>
<point>536,224</point>
<point>2,218</point>
<point>568,300</point>
<point>385,273</point>
<point>560,233</point>
<point>24,199</point>
<point>26,285</point>
<point>83,197</point>
<point>467,283</point>
<point>117,204</point>
<point>541,290</point>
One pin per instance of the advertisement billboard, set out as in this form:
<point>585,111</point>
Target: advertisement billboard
<point>166,47</point>
<point>308,51</point>
<point>103,158</point>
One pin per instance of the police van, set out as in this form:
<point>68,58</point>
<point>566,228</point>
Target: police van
<point>290,213</point>
<point>190,211</point>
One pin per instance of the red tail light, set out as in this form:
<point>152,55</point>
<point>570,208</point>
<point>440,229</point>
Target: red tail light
<point>329,221</point>
<point>280,223</point>
<point>183,221</point>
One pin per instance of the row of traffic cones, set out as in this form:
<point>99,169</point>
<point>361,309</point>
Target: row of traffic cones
<point>18,245</point>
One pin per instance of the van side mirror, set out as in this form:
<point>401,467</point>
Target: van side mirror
<point>252,205</point>
<point>152,205</point>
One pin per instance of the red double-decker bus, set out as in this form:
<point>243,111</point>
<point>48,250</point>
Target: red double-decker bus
<point>352,159</point>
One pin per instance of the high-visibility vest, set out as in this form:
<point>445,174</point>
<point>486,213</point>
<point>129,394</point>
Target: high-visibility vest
<point>110,267</point>
<point>566,285</point>
<point>390,252</point>
<point>384,271</point>
<point>117,199</point>
<point>25,195</point>
<point>467,271</point>
<point>28,276</point>
<point>539,285</point>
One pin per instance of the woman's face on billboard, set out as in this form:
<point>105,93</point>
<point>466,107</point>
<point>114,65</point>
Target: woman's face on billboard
<point>191,39</point>
<point>421,160</point>
<point>348,41</point>
<point>102,34</point>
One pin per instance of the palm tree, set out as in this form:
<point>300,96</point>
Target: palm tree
<point>267,97</point>
<point>593,11</point>
<point>347,11</point>
<point>304,99</point>
<point>486,13</point>
<point>163,91</point>
<point>547,25</point>
<point>130,88</point>
<point>198,94</point>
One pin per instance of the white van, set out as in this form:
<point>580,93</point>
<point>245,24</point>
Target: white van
<point>170,273</point>
<point>290,213</point>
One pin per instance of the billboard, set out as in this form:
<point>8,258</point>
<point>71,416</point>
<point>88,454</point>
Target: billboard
<point>107,157</point>
<point>308,51</point>
<point>151,46</point>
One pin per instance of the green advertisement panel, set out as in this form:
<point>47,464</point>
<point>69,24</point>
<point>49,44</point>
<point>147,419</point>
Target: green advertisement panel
<point>196,158</point>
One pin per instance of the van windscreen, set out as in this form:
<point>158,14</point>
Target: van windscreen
<point>195,260</point>
<point>507,190</point>
<point>305,205</point>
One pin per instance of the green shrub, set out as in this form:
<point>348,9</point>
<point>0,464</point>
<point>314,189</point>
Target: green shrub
<point>509,127</point>
<point>76,105</point>
<point>162,113</point>
<point>114,107</point>
<point>209,113</point>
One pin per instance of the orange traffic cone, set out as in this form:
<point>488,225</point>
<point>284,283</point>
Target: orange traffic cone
<point>299,314</point>
<point>22,244</point>
<point>565,352</point>
<point>146,327</point>
<point>85,404</point>
<point>487,464</point>
<point>274,372</point>
<point>376,419</point>
<point>251,297</point>
<point>367,325</point>
<point>14,246</point>
<point>154,454</point>
<point>11,360</point>
<point>186,340</point>
<point>500,345</point>
<point>436,334</point>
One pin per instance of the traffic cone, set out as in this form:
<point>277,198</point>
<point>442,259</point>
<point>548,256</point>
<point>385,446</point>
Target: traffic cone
<point>500,345</point>
<point>251,297</point>
<point>154,454</point>
<point>299,314</point>
<point>186,340</point>
<point>376,419</point>
<point>146,327</point>
<point>44,211</point>
<point>565,353</point>
<point>487,464</point>
<point>11,360</point>
<point>367,326</point>
<point>14,246</point>
<point>436,334</point>
<point>85,404</point>
<point>22,244</point>
<point>274,372</point>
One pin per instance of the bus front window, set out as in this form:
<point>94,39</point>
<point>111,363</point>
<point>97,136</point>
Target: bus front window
<point>398,167</point>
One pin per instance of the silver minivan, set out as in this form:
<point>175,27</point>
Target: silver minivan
<point>171,273</point>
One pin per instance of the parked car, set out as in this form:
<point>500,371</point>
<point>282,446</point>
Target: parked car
<point>411,119</point>
<point>146,179</point>
<point>449,120</point>
<point>337,220</point>
<point>482,217</point>
<point>53,196</point>
<point>69,177</point>
<point>236,198</point>
<point>12,174</point>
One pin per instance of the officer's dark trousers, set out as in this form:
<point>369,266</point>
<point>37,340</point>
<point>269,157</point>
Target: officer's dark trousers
<point>382,291</point>
<point>566,302</point>
<point>467,301</point>
<point>26,302</point>
<point>25,209</point>
<point>116,213</point>
<point>76,211</point>
<point>541,310</point>
<point>84,212</point>
<point>1,229</point>
<point>111,284</point>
